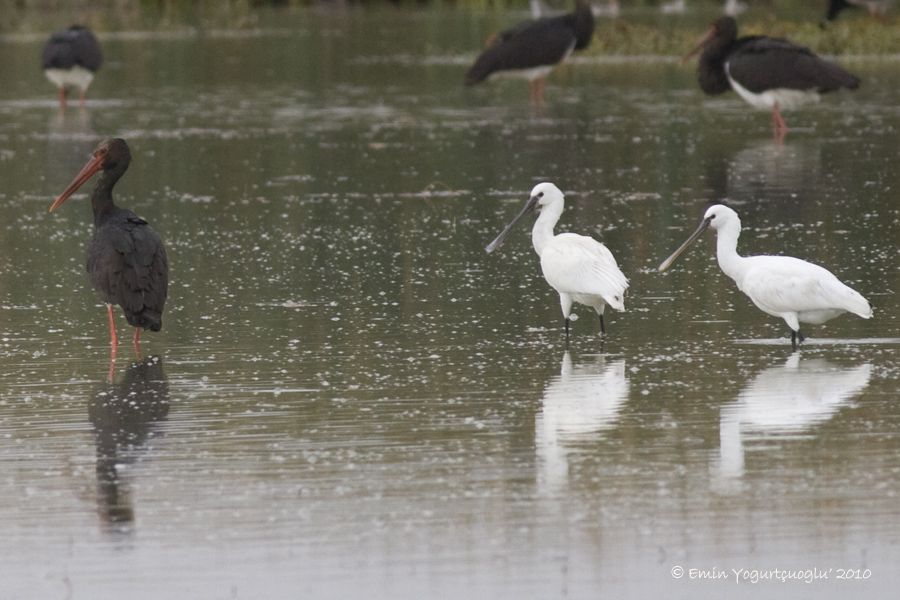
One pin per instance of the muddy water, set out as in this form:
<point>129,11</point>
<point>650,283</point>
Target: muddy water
<point>350,397</point>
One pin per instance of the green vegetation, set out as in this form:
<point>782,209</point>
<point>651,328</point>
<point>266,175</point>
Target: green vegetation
<point>641,30</point>
<point>854,37</point>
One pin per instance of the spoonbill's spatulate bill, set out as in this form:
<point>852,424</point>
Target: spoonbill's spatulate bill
<point>69,59</point>
<point>781,286</point>
<point>578,267</point>
<point>126,259</point>
<point>768,73</point>
<point>534,48</point>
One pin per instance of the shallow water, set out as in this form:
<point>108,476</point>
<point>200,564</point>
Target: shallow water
<point>350,397</point>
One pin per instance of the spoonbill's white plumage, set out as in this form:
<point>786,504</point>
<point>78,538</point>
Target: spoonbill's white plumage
<point>782,286</point>
<point>581,402</point>
<point>794,397</point>
<point>578,267</point>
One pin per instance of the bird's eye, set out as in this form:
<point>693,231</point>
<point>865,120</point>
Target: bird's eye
<point>540,194</point>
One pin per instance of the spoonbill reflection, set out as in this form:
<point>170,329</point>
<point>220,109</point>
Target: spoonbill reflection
<point>781,286</point>
<point>788,398</point>
<point>578,267</point>
<point>582,400</point>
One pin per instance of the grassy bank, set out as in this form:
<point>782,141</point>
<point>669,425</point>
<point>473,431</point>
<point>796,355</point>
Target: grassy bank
<point>641,30</point>
<point>852,37</point>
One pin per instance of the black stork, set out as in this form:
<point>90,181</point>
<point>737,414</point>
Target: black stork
<point>126,259</point>
<point>769,73</point>
<point>876,8</point>
<point>532,49</point>
<point>70,58</point>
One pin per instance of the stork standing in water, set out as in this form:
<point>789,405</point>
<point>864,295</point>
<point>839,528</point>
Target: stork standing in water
<point>70,58</point>
<point>781,286</point>
<point>578,267</point>
<point>126,259</point>
<point>768,73</point>
<point>532,49</point>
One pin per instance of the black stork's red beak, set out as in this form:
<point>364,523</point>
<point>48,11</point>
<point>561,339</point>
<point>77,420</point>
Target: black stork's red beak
<point>701,43</point>
<point>87,171</point>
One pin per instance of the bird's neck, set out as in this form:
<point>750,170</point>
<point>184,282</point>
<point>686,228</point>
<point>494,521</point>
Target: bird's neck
<point>711,67</point>
<point>101,198</point>
<point>542,232</point>
<point>731,263</point>
<point>712,78</point>
<point>583,24</point>
<point>731,449</point>
<point>711,70</point>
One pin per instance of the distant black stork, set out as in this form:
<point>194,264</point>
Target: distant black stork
<point>532,49</point>
<point>876,8</point>
<point>126,259</point>
<point>769,73</point>
<point>70,58</point>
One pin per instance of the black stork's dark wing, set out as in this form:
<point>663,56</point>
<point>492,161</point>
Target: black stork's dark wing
<point>528,45</point>
<point>127,264</point>
<point>761,63</point>
<point>73,46</point>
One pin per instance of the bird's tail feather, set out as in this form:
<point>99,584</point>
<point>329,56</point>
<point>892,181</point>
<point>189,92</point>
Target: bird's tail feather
<point>856,304</point>
<point>615,283</point>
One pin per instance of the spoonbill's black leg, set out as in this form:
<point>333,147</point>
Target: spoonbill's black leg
<point>567,329</point>
<point>602,326</point>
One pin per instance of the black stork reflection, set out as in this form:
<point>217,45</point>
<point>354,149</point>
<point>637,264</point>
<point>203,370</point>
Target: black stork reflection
<point>69,59</point>
<point>123,415</point>
<point>768,73</point>
<point>533,49</point>
<point>126,259</point>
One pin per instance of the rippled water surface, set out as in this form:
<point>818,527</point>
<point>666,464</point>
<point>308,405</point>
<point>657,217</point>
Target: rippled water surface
<point>351,399</point>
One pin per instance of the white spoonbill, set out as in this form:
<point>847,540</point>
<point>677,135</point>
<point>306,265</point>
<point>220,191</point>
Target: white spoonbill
<point>579,267</point>
<point>782,286</point>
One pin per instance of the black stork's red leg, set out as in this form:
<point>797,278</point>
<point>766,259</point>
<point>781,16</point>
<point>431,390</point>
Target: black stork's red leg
<point>126,259</point>
<point>778,123</point>
<point>113,337</point>
<point>136,341</point>
<point>539,94</point>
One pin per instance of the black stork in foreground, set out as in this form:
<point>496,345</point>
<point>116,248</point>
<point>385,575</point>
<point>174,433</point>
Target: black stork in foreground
<point>769,73</point>
<point>126,260</point>
<point>70,58</point>
<point>534,48</point>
